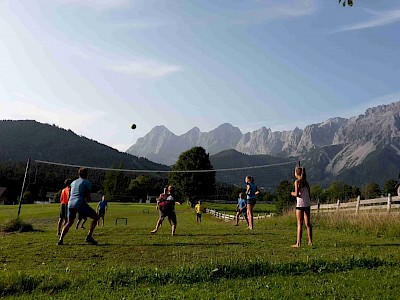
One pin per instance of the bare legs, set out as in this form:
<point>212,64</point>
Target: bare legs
<point>250,215</point>
<point>158,224</point>
<point>301,216</point>
<point>238,217</point>
<point>61,223</point>
<point>102,219</point>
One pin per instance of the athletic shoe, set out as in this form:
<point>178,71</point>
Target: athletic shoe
<point>60,242</point>
<point>91,240</point>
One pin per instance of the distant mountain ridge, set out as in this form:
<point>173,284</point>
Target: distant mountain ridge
<point>337,145</point>
<point>25,139</point>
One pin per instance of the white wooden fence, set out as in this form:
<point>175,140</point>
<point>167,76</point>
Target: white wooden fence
<point>379,204</point>
<point>228,217</point>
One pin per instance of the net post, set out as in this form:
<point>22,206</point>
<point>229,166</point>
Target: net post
<point>23,187</point>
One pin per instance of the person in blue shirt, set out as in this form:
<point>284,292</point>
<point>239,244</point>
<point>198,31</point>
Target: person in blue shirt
<point>251,193</point>
<point>101,208</point>
<point>241,209</point>
<point>78,203</point>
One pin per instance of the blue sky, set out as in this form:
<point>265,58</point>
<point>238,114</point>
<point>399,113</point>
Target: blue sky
<point>97,66</point>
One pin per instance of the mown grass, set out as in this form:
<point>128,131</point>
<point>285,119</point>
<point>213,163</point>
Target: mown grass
<point>213,260</point>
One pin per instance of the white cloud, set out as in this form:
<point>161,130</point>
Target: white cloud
<point>379,19</point>
<point>100,5</point>
<point>271,10</point>
<point>144,69</point>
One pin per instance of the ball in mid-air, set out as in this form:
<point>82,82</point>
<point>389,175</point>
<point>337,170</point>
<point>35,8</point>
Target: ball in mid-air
<point>133,126</point>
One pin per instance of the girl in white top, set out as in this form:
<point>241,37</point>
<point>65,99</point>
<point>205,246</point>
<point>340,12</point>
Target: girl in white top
<point>303,203</point>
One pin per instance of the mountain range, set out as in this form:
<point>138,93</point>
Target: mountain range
<point>360,148</point>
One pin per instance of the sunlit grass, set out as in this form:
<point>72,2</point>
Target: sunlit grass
<point>212,258</point>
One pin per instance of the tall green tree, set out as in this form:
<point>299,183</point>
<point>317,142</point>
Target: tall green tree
<point>317,193</point>
<point>390,187</point>
<point>283,197</point>
<point>192,185</point>
<point>116,183</point>
<point>372,191</point>
<point>144,185</point>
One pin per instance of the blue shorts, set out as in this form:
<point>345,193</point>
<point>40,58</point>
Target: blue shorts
<point>84,211</point>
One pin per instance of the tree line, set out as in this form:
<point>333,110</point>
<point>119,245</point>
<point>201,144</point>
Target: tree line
<point>123,186</point>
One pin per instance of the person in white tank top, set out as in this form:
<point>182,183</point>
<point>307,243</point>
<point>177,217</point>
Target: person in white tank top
<point>303,204</point>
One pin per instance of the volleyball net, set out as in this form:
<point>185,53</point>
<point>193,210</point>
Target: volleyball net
<point>127,185</point>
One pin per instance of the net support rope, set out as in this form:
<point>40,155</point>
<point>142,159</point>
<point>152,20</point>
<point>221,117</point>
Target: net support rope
<point>164,171</point>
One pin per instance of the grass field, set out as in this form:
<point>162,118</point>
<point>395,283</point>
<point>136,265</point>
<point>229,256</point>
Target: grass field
<point>352,258</point>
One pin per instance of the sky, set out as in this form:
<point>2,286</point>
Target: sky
<point>98,66</point>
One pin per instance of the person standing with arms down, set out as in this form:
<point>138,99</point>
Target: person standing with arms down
<point>168,210</point>
<point>64,205</point>
<point>303,205</point>
<point>101,208</point>
<point>251,193</point>
<point>199,208</point>
<point>78,203</point>
<point>241,208</point>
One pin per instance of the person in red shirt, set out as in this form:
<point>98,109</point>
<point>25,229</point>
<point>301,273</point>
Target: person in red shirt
<point>64,205</point>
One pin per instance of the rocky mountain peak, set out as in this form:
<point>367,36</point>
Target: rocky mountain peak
<point>379,124</point>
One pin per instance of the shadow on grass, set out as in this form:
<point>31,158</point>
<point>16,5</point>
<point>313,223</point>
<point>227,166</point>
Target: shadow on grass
<point>385,245</point>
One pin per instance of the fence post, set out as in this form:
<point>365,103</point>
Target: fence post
<point>338,205</point>
<point>358,204</point>
<point>389,203</point>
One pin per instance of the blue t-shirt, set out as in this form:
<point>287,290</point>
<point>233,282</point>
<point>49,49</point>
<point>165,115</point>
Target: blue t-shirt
<point>242,203</point>
<point>252,192</point>
<point>79,188</point>
<point>102,205</point>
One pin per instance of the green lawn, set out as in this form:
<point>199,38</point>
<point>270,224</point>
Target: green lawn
<point>213,260</point>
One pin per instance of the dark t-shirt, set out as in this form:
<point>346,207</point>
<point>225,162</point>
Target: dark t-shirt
<point>169,203</point>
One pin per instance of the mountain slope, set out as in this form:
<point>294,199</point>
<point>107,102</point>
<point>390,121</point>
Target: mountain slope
<point>335,148</point>
<point>21,140</point>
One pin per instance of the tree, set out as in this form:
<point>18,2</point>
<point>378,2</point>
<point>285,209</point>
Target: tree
<point>283,197</point>
<point>193,184</point>
<point>27,198</point>
<point>336,191</point>
<point>317,193</point>
<point>116,183</point>
<point>390,187</point>
<point>144,185</point>
<point>372,191</point>
<point>349,2</point>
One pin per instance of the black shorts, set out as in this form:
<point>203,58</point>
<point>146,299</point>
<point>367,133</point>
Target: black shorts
<point>64,211</point>
<point>198,215</point>
<point>251,201</point>
<point>168,213</point>
<point>305,209</point>
<point>102,213</point>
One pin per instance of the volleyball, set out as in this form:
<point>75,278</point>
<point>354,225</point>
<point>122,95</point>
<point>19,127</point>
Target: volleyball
<point>133,126</point>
